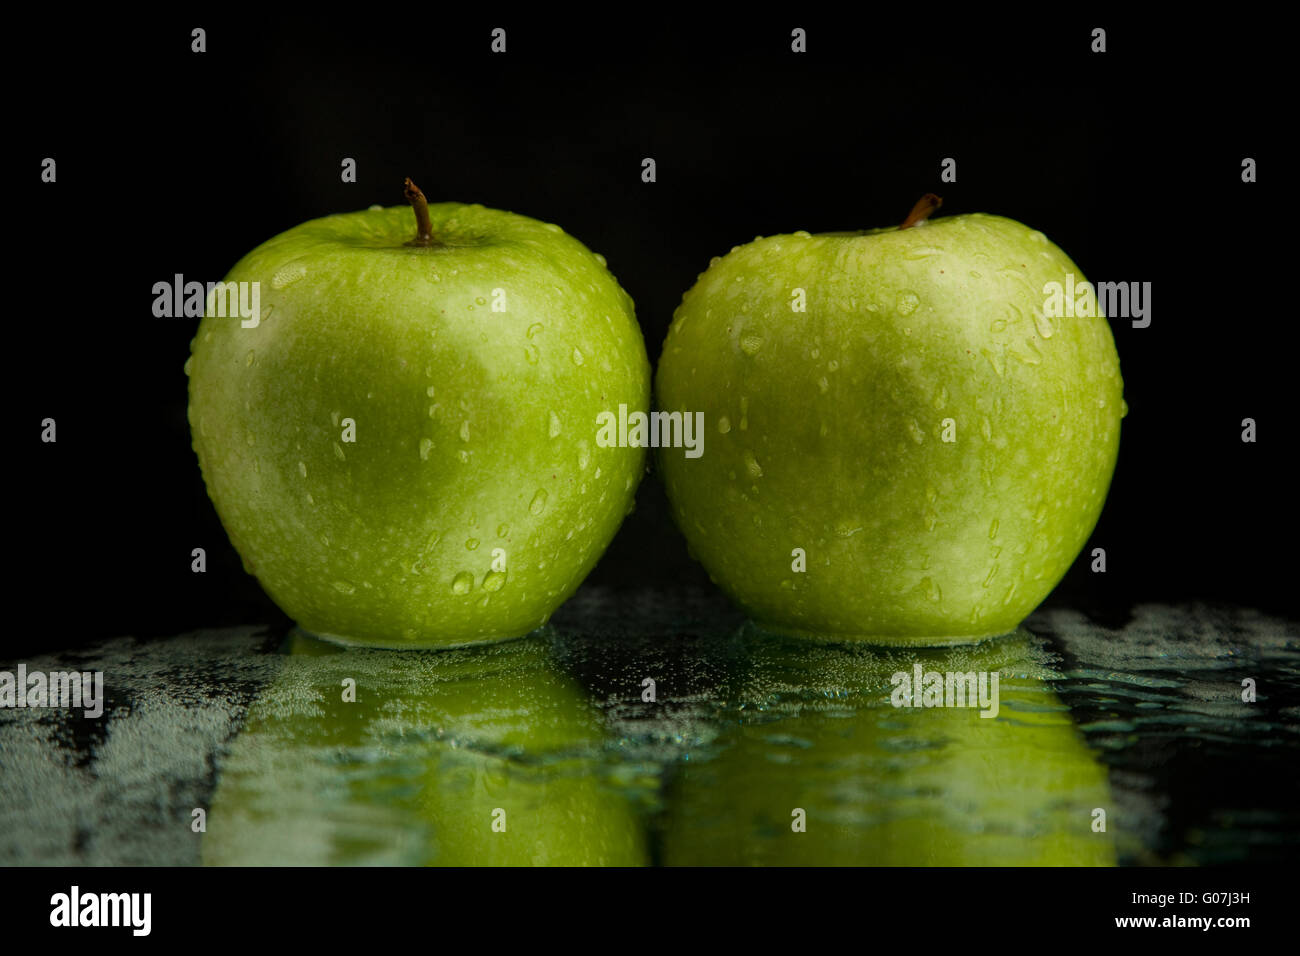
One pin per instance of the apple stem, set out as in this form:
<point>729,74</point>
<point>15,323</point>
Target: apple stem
<point>423,228</point>
<point>924,208</point>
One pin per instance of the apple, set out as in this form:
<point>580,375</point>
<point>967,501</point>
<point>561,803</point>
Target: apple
<point>812,728</point>
<point>402,445</point>
<point>456,757</point>
<point>903,447</point>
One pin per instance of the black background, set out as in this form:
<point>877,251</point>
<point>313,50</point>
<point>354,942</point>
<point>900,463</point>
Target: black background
<point>174,162</point>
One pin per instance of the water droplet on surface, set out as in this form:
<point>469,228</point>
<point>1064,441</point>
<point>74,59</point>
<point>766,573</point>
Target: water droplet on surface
<point>848,527</point>
<point>534,329</point>
<point>986,429</point>
<point>538,504</point>
<point>941,398</point>
<point>553,429</point>
<point>908,301</point>
<point>724,424</point>
<point>932,590</point>
<point>428,391</point>
<point>531,354</point>
<point>479,300</point>
<point>189,364</point>
<point>494,581</point>
<point>914,429</point>
<point>462,583</point>
<point>751,343</point>
<point>1123,407</point>
<point>752,466</point>
<point>464,430</point>
<point>338,452</point>
<point>426,446</point>
<point>250,358</point>
<point>992,573</point>
<point>302,469</point>
<point>993,529</point>
<point>577,356</point>
<point>471,544</point>
<point>823,385</point>
<point>345,587</point>
<point>584,455</point>
<point>923,252</point>
<point>994,360</point>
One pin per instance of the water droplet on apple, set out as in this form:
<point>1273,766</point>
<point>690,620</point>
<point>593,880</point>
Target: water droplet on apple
<point>426,446</point>
<point>553,429</point>
<point>752,466</point>
<point>189,363</point>
<point>494,581</point>
<point>584,455</point>
<point>250,358</point>
<point>577,356</point>
<point>338,452</point>
<point>534,329</point>
<point>471,544</point>
<point>1123,407</point>
<point>287,275</point>
<point>1043,324</point>
<point>302,468</point>
<point>992,573</point>
<point>923,252</point>
<point>802,234</point>
<point>464,430</point>
<point>994,360</point>
<point>480,300</point>
<point>915,430</point>
<point>503,530</point>
<point>345,587</point>
<point>986,429</point>
<point>848,527</point>
<point>538,504</point>
<point>823,385</point>
<point>530,354</point>
<point>908,301</point>
<point>724,424</point>
<point>993,529</point>
<point>751,343</point>
<point>462,583</point>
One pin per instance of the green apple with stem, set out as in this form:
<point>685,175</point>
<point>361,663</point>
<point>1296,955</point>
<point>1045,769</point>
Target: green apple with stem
<point>402,445</point>
<point>475,756</point>
<point>905,445</point>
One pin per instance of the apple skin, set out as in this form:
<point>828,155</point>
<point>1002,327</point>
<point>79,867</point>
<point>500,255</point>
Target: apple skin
<point>813,728</point>
<point>474,428</point>
<point>411,771</point>
<point>824,429</point>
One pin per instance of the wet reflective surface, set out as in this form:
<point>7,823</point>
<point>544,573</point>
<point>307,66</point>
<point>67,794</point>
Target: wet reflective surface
<point>755,749</point>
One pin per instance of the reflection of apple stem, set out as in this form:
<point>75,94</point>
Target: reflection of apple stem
<point>924,208</point>
<point>423,229</point>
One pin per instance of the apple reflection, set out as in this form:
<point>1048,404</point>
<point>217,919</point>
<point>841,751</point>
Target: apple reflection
<point>462,757</point>
<point>816,736</point>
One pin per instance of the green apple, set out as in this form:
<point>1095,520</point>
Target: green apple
<point>903,447</point>
<point>459,757</point>
<point>402,447</point>
<point>813,729</point>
